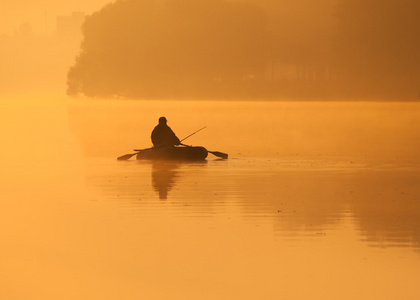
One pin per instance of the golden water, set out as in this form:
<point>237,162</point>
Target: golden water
<point>318,200</point>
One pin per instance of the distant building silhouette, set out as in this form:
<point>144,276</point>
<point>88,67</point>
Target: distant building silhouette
<point>25,31</point>
<point>70,25</point>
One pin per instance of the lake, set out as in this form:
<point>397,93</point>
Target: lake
<point>318,200</point>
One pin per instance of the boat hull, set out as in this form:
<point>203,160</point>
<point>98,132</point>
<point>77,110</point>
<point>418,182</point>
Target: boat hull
<point>173,153</point>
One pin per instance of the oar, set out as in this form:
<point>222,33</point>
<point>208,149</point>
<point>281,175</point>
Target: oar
<point>128,156</point>
<point>215,153</point>
<point>219,154</point>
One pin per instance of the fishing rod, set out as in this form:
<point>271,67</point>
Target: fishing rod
<point>193,133</point>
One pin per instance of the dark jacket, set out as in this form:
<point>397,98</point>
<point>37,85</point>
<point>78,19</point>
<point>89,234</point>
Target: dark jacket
<point>163,136</point>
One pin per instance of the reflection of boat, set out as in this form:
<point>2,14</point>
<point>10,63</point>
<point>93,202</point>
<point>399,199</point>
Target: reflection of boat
<point>165,174</point>
<point>174,153</point>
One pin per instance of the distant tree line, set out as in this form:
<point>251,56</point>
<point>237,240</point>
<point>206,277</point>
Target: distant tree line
<point>224,49</point>
<point>376,48</point>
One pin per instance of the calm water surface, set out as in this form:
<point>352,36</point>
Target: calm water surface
<point>317,201</point>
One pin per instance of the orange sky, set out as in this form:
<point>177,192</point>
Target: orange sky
<point>41,14</point>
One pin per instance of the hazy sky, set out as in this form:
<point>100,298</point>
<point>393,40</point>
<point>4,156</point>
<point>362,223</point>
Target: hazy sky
<point>41,14</point>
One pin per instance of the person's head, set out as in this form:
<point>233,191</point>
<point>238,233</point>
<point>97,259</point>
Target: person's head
<point>162,120</point>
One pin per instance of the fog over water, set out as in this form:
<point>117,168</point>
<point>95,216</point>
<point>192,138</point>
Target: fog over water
<point>317,200</point>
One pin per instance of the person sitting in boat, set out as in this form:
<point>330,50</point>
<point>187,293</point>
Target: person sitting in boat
<point>163,136</point>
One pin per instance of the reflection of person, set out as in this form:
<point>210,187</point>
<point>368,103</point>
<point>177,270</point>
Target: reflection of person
<point>164,177</point>
<point>162,135</point>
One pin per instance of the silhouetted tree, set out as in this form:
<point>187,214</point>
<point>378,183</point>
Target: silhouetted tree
<point>223,48</point>
<point>174,48</point>
<point>377,46</point>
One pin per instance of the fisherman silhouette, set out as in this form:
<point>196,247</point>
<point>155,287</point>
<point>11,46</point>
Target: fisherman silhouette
<point>163,136</point>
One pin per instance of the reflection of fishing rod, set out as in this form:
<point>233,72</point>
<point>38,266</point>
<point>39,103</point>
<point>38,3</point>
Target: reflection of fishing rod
<point>192,134</point>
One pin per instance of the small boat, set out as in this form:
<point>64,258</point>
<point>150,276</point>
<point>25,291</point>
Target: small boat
<point>173,153</point>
